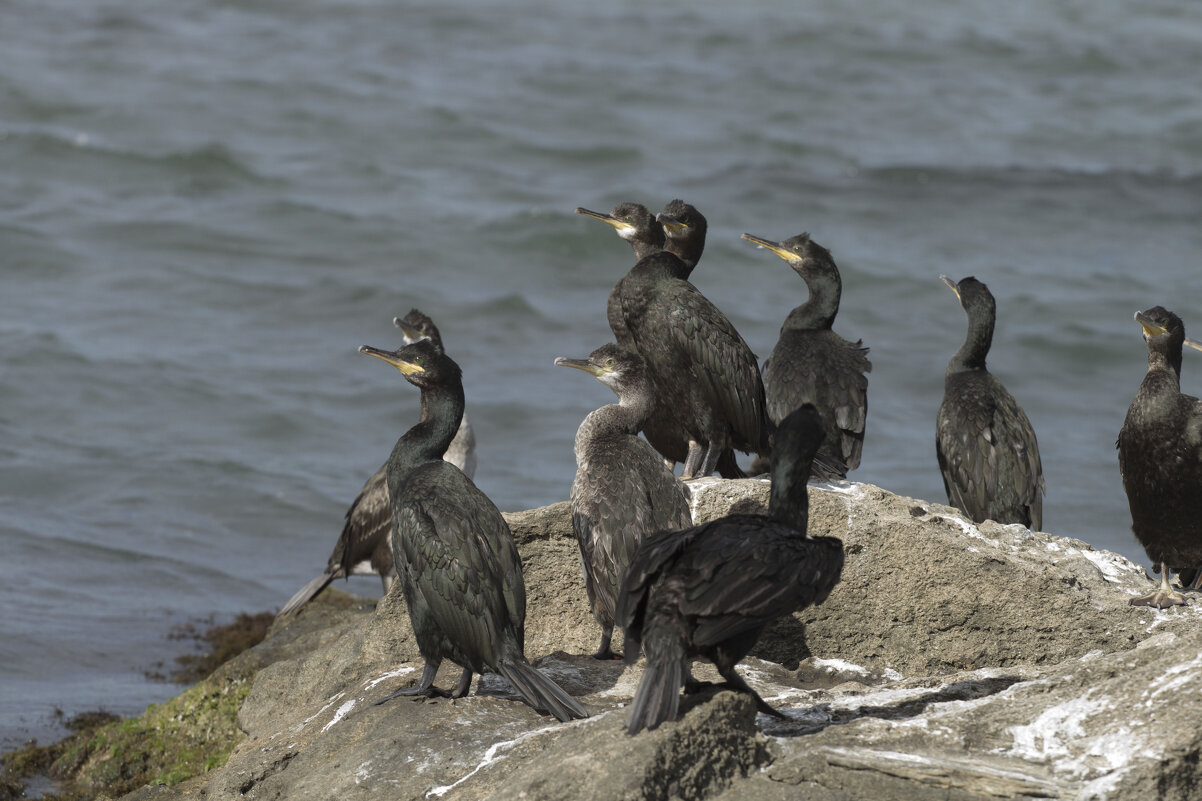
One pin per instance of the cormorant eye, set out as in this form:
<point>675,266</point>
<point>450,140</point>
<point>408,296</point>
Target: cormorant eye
<point>609,362</point>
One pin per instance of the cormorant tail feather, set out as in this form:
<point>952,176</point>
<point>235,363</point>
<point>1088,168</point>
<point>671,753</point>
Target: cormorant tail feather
<point>541,692</point>
<point>658,696</point>
<point>306,593</point>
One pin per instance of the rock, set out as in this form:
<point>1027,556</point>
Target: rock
<point>953,661</point>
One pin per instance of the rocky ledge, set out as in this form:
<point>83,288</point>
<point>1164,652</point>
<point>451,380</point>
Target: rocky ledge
<point>953,661</point>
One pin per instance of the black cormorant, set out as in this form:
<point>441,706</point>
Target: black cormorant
<point>710,590</point>
<point>622,487</point>
<point>704,373</point>
<point>813,364</point>
<point>364,547</point>
<point>986,447</point>
<point>455,556</point>
<point>1160,458</point>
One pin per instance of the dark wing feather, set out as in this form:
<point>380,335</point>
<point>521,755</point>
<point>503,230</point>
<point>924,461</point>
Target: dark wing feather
<point>988,453</point>
<point>742,572</point>
<point>624,492</point>
<point>368,525</point>
<point>822,368</point>
<point>726,377</point>
<point>459,555</point>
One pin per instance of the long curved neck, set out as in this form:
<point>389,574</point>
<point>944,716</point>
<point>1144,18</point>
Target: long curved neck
<point>625,417</point>
<point>427,441</point>
<point>788,501</point>
<point>1165,358</point>
<point>971,355</point>
<point>820,310</point>
<point>688,250</point>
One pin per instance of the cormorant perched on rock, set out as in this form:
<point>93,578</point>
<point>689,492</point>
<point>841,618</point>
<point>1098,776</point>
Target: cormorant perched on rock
<point>710,590</point>
<point>704,373</point>
<point>455,555</point>
<point>1160,458</point>
<point>986,446</point>
<point>622,488</point>
<point>364,547</point>
<point>813,364</point>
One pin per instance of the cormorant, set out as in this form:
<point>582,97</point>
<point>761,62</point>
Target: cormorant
<point>813,364</point>
<point>1160,459</point>
<point>622,487</point>
<point>364,547</point>
<point>455,556</point>
<point>710,590</point>
<point>703,371</point>
<point>986,447</point>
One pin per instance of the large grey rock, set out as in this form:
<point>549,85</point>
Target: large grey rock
<point>953,661</point>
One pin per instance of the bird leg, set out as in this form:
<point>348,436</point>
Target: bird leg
<point>425,686</point>
<point>604,651</point>
<point>735,682</point>
<point>692,461</point>
<point>710,462</point>
<point>1164,597</point>
<point>463,685</point>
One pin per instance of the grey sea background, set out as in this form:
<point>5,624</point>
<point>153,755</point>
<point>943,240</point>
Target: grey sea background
<point>206,207</point>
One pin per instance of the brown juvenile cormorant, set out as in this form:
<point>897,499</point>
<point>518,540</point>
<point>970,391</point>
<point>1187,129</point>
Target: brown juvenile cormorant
<point>703,371</point>
<point>813,364</point>
<point>455,556</point>
<point>622,487</point>
<point>364,547</point>
<point>1160,458</point>
<point>710,590</point>
<point>986,446</point>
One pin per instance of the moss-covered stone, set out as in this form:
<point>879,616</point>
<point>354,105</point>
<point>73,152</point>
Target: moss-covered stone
<point>188,735</point>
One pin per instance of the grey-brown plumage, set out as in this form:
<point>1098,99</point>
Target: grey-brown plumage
<point>622,487</point>
<point>455,556</point>
<point>364,547</point>
<point>710,590</point>
<point>704,373</point>
<point>986,446</point>
<point>813,364</point>
<point>1160,458</point>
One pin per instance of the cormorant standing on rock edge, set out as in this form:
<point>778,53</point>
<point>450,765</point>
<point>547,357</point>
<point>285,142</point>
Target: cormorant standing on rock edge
<point>710,590</point>
<point>622,487</point>
<point>704,373</point>
<point>986,446</point>
<point>1160,458</point>
<point>813,364</point>
<point>455,555</point>
<point>364,547</point>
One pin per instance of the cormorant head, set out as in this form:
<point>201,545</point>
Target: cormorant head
<point>972,294</point>
<point>632,221</point>
<point>422,363</point>
<point>1164,332</point>
<point>681,220</point>
<point>415,325</point>
<point>614,367</point>
<point>803,254</point>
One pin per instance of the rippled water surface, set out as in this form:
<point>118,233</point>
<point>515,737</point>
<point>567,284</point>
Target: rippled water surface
<point>206,207</point>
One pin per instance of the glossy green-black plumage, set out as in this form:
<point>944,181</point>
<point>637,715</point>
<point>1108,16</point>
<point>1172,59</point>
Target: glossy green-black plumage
<point>622,487</point>
<point>364,546</point>
<point>813,364</point>
<point>710,590</point>
<point>455,556</point>
<point>704,373</point>
<point>1160,457</point>
<point>987,450</point>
